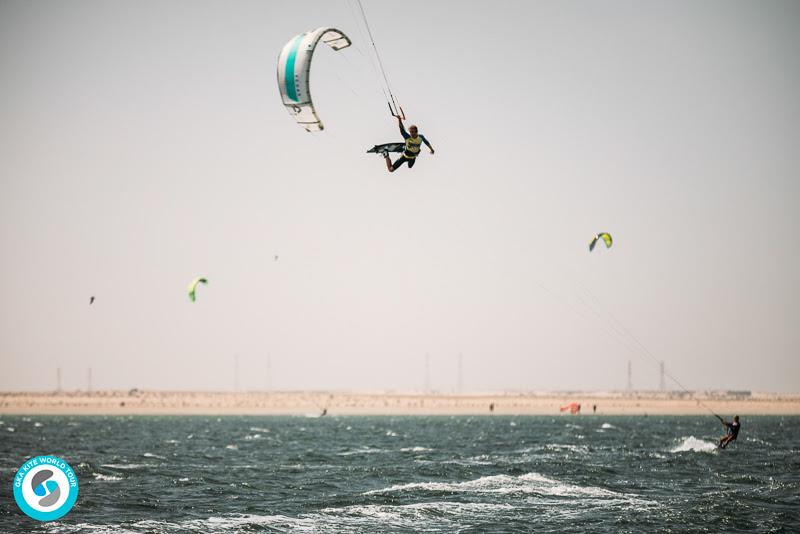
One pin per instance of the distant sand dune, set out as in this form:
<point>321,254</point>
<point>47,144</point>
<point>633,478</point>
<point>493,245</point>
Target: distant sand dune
<point>392,403</point>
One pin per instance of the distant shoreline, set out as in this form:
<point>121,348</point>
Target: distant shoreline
<point>147,402</point>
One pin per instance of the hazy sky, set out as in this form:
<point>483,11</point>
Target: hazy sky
<point>144,143</point>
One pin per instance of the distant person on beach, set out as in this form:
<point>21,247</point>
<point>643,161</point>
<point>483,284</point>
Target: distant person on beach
<point>732,431</point>
<point>594,408</point>
<point>491,408</point>
<point>414,141</point>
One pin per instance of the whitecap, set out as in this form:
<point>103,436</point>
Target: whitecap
<point>694,445</point>
<point>106,478</point>
<point>581,449</point>
<point>530,483</point>
<point>361,450</point>
<point>126,466</point>
<point>415,449</point>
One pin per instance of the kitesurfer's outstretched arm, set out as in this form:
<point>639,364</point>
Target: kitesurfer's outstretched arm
<point>426,143</point>
<point>406,135</point>
<point>403,131</point>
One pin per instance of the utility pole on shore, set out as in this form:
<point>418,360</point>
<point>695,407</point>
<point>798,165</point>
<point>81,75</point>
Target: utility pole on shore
<point>89,380</point>
<point>427,373</point>
<point>661,377</point>
<point>630,381</point>
<point>460,382</point>
<point>269,372</point>
<point>58,379</point>
<point>236,373</point>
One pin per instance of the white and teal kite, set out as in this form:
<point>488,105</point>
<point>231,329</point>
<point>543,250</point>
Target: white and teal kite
<point>294,68</point>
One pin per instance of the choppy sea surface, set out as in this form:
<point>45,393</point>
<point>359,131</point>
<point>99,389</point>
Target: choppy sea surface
<point>404,474</point>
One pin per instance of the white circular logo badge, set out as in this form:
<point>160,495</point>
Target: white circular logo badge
<point>45,488</point>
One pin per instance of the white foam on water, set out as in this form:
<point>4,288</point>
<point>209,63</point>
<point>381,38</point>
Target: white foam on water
<point>436,515</point>
<point>152,455</point>
<point>580,449</point>
<point>355,518</point>
<point>607,426</point>
<point>692,444</point>
<point>106,478</point>
<point>232,447</point>
<point>126,466</point>
<point>530,483</point>
<point>415,449</point>
<point>475,460</point>
<point>259,429</point>
<point>361,450</point>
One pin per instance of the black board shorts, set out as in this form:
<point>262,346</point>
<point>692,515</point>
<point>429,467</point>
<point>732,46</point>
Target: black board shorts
<point>402,159</point>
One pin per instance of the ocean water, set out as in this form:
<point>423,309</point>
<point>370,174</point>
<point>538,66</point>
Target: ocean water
<point>412,474</point>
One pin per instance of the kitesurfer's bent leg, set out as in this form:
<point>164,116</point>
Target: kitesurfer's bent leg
<point>396,165</point>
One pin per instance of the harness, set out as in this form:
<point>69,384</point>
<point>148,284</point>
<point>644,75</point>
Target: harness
<point>413,145</point>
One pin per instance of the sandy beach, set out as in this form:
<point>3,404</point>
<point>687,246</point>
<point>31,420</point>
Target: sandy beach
<point>137,402</point>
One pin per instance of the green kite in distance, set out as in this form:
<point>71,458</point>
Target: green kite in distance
<point>193,286</point>
<point>605,236</point>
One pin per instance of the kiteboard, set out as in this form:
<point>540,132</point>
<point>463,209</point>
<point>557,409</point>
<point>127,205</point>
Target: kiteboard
<point>388,147</point>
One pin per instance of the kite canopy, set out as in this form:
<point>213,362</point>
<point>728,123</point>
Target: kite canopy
<point>294,69</point>
<point>572,407</point>
<point>606,237</point>
<point>193,286</point>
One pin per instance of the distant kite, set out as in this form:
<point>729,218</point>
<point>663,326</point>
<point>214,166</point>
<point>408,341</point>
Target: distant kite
<point>606,237</point>
<point>91,300</point>
<point>276,257</point>
<point>572,407</point>
<point>193,286</point>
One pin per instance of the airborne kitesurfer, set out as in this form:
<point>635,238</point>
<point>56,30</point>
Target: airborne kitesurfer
<point>414,141</point>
